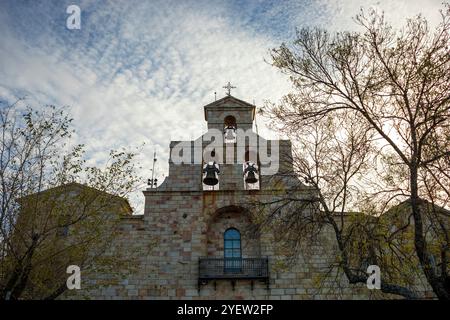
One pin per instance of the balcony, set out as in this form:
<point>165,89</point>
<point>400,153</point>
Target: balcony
<point>233,269</point>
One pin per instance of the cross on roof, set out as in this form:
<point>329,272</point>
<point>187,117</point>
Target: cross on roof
<point>229,87</point>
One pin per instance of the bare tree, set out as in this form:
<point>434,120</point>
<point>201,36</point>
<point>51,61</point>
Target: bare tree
<point>395,87</point>
<point>334,157</point>
<point>55,210</point>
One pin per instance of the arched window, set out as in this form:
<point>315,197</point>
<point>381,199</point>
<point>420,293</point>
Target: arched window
<point>232,251</point>
<point>229,130</point>
<point>230,121</point>
<point>232,243</point>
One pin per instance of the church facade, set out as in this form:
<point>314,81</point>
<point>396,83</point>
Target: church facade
<point>197,235</point>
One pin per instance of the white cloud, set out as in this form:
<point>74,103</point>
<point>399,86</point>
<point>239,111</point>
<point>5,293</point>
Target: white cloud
<point>141,71</point>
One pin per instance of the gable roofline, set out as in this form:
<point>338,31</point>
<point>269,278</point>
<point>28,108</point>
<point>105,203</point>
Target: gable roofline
<point>226,99</point>
<point>81,186</point>
<point>422,201</point>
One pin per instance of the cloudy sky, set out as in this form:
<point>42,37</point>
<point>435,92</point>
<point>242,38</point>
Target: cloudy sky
<point>140,71</point>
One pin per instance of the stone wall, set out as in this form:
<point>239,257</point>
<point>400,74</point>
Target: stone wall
<point>180,227</point>
<point>183,223</point>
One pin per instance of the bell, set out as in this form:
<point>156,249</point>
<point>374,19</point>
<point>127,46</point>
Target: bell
<point>251,177</point>
<point>230,134</point>
<point>250,172</point>
<point>210,178</point>
<point>211,170</point>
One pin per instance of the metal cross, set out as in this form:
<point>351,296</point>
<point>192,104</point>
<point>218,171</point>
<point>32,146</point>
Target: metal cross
<point>229,87</point>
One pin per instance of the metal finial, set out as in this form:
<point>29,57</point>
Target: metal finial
<point>153,181</point>
<point>229,87</point>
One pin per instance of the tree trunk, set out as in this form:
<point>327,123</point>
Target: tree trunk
<point>436,283</point>
<point>19,277</point>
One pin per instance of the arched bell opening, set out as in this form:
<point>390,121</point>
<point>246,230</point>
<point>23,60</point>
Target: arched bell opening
<point>210,172</point>
<point>229,130</point>
<point>250,171</point>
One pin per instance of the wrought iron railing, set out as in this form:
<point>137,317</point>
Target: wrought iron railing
<point>233,268</point>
